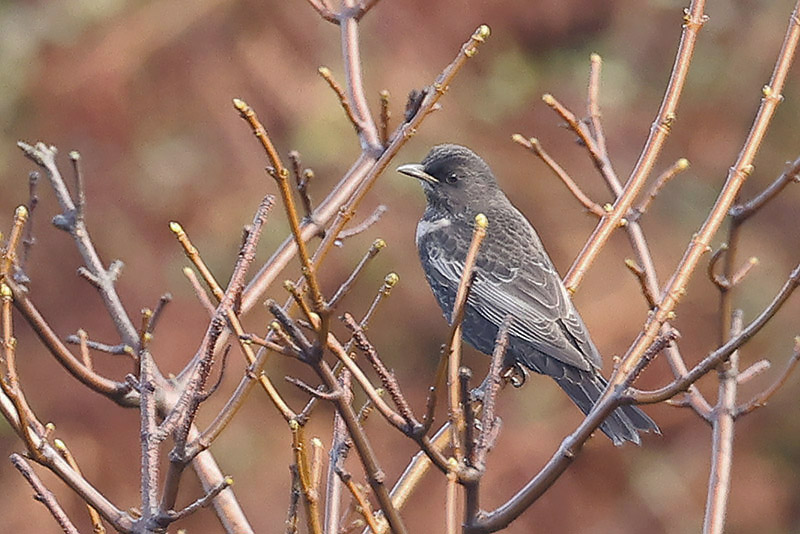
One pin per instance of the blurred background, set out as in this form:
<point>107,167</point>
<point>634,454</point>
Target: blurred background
<point>143,91</point>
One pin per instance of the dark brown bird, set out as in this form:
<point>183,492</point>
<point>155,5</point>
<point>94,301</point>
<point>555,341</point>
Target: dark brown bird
<point>514,277</point>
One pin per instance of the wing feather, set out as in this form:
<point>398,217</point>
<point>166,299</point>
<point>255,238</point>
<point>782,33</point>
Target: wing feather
<point>534,296</point>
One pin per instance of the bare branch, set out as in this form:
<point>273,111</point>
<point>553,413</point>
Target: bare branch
<point>454,342</point>
<point>44,495</point>
<point>659,131</point>
<point>676,168</point>
<point>535,146</point>
<point>346,196</point>
<point>374,217</point>
<point>742,212</point>
<point>719,480</point>
<point>762,398</point>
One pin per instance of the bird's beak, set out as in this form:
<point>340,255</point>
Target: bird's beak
<point>416,170</point>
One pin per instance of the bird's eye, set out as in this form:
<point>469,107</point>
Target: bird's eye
<point>451,178</point>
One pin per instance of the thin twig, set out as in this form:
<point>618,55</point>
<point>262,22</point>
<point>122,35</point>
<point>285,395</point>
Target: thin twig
<point>385,116</point>
<point>362,504</point>
<point>281,176</point>
<point>535,146</point>
<point>33,201</point>
<point>327,75</point>
<point>641,276</point>
<point>302,461</point>
<point>454,341</point>
<point>593,103</point>
<point>364,225</point>
<point>678,167</point>
<point>347,285</point>
<point>490,396</point>
<point>693,22</point>
<point>347,195</point>
<point>742,212</point>
<point>44,495</point>
<point>762,398</point>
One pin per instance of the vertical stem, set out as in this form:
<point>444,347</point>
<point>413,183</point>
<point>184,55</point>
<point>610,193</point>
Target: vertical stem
<point>369,137</point>
<point>719,482</point>
<point>149,482</point>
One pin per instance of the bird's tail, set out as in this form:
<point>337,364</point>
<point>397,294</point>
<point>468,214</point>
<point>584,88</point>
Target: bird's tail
<point>623,424</point>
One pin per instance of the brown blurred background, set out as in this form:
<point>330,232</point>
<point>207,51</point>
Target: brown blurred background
<point>143,90</point>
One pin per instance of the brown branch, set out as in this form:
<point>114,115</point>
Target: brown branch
<point>453,354</point>
<point>569,449</point>
<point>593,103</point>
<point>9,256</point>
<point>535,146</point>
<point>719,479</point>
<point>327,75</point>
<point>302,178</point>
<point>172,516</point>
<point>321,7</point>
<point>347,285</point>
<point>488,421</point>
<point>33,201</point>
<point>754,370</point>
<point>281,176</point>
<point>375,475</point>
<point>309,494</point>
<point>364,225</point>
<point>346,196</point>
<point>714,358</point>
<point>362,504</point>
<point>44,495</point>
<point>762,398</point>
<point>119,392</point>
<point>94,516</point>
<point>385,116</point>
<point>386,376</point>
<point>44,156</point>
<point>600,159</point>
<point>351,54</point>
<point>659,131</point>
<point>699,245</point>
<point>641,276</point>
<point>678,167</point>
<point>742,212</point>
<point>451,522</point>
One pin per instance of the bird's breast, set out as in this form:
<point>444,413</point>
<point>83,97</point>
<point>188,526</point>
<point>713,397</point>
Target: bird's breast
<point>426,227</point>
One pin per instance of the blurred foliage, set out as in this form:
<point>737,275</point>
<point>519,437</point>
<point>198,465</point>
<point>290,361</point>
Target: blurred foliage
<point>143,90</point>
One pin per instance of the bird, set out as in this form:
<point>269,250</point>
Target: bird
<point>513,277</point>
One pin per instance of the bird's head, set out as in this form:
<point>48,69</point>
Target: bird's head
<point>454,178</point>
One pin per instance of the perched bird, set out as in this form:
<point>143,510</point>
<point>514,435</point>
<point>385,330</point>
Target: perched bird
<point>514,277</point>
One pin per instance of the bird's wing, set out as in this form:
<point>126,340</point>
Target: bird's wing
<point>533,295</point>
